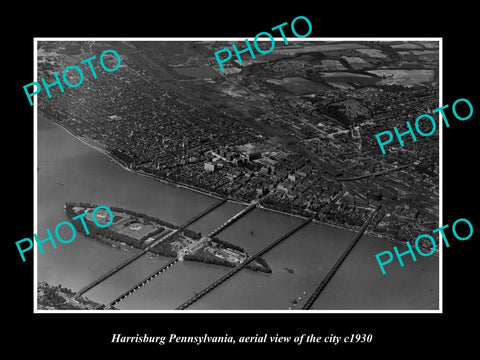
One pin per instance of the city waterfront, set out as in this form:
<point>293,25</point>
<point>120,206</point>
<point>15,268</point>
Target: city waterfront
<point>69,170</point>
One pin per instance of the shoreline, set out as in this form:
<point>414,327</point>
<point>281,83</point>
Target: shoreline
<point>143,249</point>
<point>126,167</point>
<point>201,191</point>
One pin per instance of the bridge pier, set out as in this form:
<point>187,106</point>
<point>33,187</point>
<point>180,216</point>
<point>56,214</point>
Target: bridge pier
<point>203,213</point>
<point>143,252</point>
<point>142,283</point>
<point>233,219</point>
<point>239,267</point>
<point>309,303</point>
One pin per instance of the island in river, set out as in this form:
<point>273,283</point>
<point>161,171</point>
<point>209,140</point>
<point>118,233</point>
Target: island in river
<point>131,229</point>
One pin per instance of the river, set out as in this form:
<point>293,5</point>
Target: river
<point>69,170</point>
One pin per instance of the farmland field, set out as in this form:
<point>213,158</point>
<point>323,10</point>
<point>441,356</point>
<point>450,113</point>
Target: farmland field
<point>347,77</point>
<point>138,230</point>
<point>406,46</point>
<point>327,65</point>
<point>298,85</point>
<point>404,77</point>
<point>357,63</point>
<point>287,50</point>
<point>374,53</point>
<point>199,72</point>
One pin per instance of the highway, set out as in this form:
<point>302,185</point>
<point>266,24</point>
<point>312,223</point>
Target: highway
<point>339,262</point>
<point>236,269</point>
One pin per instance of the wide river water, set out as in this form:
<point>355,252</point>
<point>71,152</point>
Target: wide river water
<point>69,170</point>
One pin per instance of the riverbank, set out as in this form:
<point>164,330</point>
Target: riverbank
<point>90,176</point>
<point>50,297</point>
<point>128,168</point>
<point>171,245</point>
<point>189,187</point>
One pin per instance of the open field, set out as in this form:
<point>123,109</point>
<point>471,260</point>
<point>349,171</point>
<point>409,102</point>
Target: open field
<point>198,72</point>
<point>347,77</point>
<point>287,50</point>
<point>356,62</point>
<point>297,85</point>
<point>374,53</point>
<point>404,77</point>
<point>406,46</point>
<point>329,65</point>
<point>138,230</point>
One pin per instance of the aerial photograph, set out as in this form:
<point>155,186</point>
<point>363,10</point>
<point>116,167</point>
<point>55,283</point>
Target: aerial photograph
<point>257,186</point>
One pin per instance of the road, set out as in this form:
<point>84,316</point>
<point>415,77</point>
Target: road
<point>383,172</point>
<point>339,262</point>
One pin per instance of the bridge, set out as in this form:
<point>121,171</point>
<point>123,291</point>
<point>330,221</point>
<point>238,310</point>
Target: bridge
<point>203,213</point>
<point>339,262</point>
<point>141,283</point>
<point>165,267</point>
<point>239,267</point>
<point>144,251</point>
<point>233,219</point>
<point>122,265</point>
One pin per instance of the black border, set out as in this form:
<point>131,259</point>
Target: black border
<point>393,333</point>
